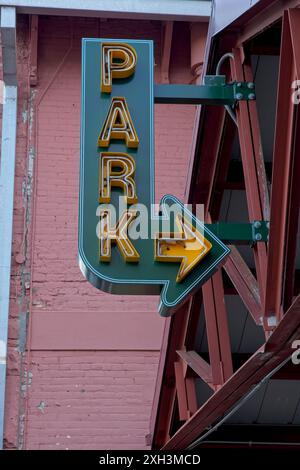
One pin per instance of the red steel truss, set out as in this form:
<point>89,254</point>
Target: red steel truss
<point>268,295</point>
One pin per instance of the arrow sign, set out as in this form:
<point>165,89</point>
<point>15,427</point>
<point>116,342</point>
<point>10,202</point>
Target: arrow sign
<point>125,245</point>
<point>188,247</point>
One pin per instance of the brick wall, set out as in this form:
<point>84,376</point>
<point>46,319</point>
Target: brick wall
<point>91,400</point>
<point>68,390</point>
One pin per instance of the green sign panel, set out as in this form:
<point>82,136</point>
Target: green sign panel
<point>127,246</point>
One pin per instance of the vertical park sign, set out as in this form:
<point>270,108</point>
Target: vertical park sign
<point>126,246</point>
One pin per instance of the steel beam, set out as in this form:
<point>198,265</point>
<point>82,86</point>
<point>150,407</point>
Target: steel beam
<point>274,353</point>
<point>166,52</point>
<point>191,394</point>
<point>203,190</point>
<point>217,329</point>
<point>292,222</point>
<point>175,333</point>
<point>268,15</point>
<point>189,343</point>
<point>33,50</point>
<point>245,284</point>
<point>206,155</point>
<point>189,10</point>
<point>223,167</point>
<point>256,434</point>
<point>236,268</point>
<point>294,201</point>
<point>181,391</point>
<point>198,365</point>
<point>284,177</point>
<point>257,147</point>
<point>253,166</point>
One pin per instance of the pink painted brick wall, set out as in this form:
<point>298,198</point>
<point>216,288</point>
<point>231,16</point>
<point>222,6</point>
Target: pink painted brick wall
<point>79,398</point>
<point>91,400</point>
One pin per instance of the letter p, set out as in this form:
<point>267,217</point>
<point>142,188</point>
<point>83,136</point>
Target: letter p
<point>117,61</point>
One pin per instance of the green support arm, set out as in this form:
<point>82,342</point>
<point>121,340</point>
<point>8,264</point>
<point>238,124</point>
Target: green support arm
<point>214,91</point>
<point>241,233</point>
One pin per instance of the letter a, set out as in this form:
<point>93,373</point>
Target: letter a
<point>118,125</point>
<point>117,61</point>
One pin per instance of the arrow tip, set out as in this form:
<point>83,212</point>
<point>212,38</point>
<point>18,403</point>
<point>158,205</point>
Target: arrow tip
<point>187,247</point>
<point>196,247</point>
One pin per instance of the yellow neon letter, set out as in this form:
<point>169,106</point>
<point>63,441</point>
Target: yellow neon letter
<point>118,125</point>
<point>117,169</point>
<point>117,61</point>
<point>118,235</point>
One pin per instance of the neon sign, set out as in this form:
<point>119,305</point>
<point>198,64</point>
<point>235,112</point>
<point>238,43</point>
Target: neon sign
<point>125,245</point>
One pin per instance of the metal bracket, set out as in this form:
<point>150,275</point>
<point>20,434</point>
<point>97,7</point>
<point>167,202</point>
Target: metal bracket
<point>244,91</point>
<point>214,91</point>
<point>260,231</point>
<point>241,233</point>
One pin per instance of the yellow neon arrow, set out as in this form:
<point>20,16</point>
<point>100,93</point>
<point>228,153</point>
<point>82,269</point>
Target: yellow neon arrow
<point>187,246</point>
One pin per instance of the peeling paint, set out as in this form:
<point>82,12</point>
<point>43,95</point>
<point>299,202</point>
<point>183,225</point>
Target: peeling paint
<point>21,431</point>
<point>24,270</point>
<point>41,406</point>
<point>24,116</point>
<point>31,111</point>
<point>31,158</point>
<point>22,331</point>
<point>2,352</point>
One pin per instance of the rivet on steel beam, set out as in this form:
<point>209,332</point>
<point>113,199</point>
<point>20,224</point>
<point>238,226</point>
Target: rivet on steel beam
<point>250,85</point>
<point>272,320</point>
<point>258,237</point>
<point>257,224</point>
<point>239,96</point>
<point>251,96</point>
<point>239,84</point>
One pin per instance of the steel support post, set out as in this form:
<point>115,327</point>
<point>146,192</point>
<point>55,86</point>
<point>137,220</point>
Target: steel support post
<point>222,167</point>
<point>33,77</point>
<point>217,329</point>
<point>293,215</point>
<point>198,365</point>
<point>272,355</point>
<point>166,51</point>
<point>253,166</point>
<point>181,391</point>
<point>165,407</point>
<point>283,232</point>
<point>245,284</point>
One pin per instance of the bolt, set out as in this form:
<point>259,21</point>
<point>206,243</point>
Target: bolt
<point>251,96</point>
<point>239,84</point>
<point>268,225</point>
<point>239,96</point>
<point>257,224</point>
<point>250,85</point>
<point>258,237</point>
<point>271,320</point>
